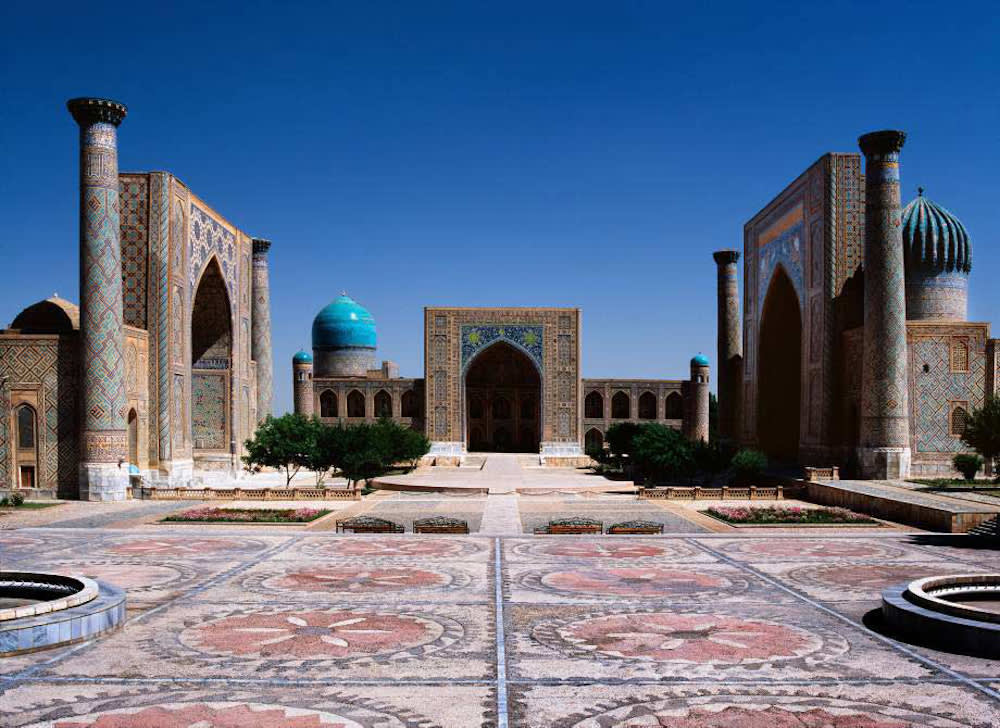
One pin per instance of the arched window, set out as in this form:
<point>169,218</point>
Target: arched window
<point>959,419</point>
<point>675,407</point>
<point>410,406</point>
<point>621,406</point>
<point>593,441</point>
<point>355,404</point>
<point>383,404</point>
<point>328,404</point>
<point>26,427</point>
<point>593,406</point>
<point>501,409</point>
<point>528,408</point>
<point>647,406</point>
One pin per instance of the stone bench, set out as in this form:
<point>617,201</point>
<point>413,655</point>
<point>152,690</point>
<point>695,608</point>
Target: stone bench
<point>440,524</point>
<point>368,524</point>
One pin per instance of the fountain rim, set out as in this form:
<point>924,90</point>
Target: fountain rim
<point>86,590</point>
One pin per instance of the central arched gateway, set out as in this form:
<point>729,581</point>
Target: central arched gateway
<point>780,370</point>
<point>502,401</point>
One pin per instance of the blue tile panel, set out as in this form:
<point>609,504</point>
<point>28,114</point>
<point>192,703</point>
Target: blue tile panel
<point>527,338</point>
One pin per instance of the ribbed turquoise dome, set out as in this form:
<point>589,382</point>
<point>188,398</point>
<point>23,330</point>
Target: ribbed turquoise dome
<point>302,357</point>
<point>343,324</point>
<point>700,360</point>
<point>934,240</point>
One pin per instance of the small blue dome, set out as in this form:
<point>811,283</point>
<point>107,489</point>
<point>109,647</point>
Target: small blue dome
<point>343,324</point>
<point>934,240</point>
<point>699,361</point>
<point>302,357</point>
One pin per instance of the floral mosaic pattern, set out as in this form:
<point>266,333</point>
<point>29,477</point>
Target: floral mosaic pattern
<point>357,580</point>
<point>203,715</point>
<point>635,582</point>
<point>528,339</point>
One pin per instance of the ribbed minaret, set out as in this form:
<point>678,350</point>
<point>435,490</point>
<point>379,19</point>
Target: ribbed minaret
<point>885,424</point>
<point>730,344</point>
<point>302,383</point>
<point>103,440</point>
<point>696,423</point>
<point>260,333</point>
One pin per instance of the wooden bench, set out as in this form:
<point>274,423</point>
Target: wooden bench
<point>636,527</point>
<point>440,524</point>
<point>368,524</point>
<point>572,526</point>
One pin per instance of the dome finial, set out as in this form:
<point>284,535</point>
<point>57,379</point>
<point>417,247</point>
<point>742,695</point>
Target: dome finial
<point>920,191</point>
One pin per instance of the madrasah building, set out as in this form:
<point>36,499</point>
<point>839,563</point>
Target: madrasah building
<point>846,352</point>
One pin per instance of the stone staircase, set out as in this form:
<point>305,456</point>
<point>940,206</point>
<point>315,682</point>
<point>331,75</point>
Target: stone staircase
<point>987,528</point>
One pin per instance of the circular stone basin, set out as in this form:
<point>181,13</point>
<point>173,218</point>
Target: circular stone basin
<point>960,612</point>
<point>39,610</point>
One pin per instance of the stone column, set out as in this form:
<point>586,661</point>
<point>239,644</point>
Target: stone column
<point>729,343</point>
<point>696,426</point>
<point>302,384</point>
<point>260,334</point>
<point>103,439</point>
<point>885,425</point>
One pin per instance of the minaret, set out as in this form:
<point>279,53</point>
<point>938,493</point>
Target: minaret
<point>103,440</point>
<point>302,383</point>
<point>696,422</point>
<point>885,424</point>
<point>260,334</point>
<point>730,344</point>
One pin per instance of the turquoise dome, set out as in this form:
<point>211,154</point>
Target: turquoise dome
<point>343,324</point>
<point>699,361</point>
<point>934,240</point>
<point>302,357</point>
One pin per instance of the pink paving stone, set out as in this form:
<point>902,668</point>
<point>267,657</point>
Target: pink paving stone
<point>809,548</point>
<point>773,717</point>
<point>176,546</point>
<point>700,638</point>
<point>639,581</point>
<point>589,550</point>
<point>428,548</point>
<point>357,580</point>
<point>128,576</point>
<point>201,715</point>
<point>313,634</point>
<point>870,578</point>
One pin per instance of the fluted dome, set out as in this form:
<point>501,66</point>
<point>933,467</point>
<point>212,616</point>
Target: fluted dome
<point>302,357</point>
<point>343,324</point>
<point>934,240</point>
<point>699,361</point>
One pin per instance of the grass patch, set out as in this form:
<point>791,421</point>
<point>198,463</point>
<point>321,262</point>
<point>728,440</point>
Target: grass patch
<point>247,515</point>
<point>962,483</point>
<point>28,505</point>
<point>773,515</point>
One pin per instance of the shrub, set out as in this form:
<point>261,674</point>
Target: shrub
<point>16,500</point>
<point>968,465</point>
<point>662,453</point>
<point>982,431</point>
<point>748,465</point>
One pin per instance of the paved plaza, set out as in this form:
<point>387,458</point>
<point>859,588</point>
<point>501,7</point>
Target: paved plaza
<point>301,627</point>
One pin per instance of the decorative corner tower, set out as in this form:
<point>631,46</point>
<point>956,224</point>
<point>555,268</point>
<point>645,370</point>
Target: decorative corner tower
<point>696,423</point>
<point>938,258</point>
<point>260,334</point>
<point>730,344</point>
<point>885,425</point>
<point>302,383</point>
<point>103,438</point>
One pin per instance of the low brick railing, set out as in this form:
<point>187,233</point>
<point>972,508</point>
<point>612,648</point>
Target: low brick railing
<point>153,493</point>
<point>814,475</point>
<point>725,493</point>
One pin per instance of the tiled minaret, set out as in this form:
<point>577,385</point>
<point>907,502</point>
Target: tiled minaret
<point>103,440</point>
<point>260,334</point>
<point>885,424</point>
<point>696,424</point>
<point>302,383</point>
<point>730,344</point>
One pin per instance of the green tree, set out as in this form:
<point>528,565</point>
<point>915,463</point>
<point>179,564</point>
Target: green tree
<point>982,431</point>
<point>324,451</point>
<point>662,453</point>
<point>748,465</point>
<point>283,443</point>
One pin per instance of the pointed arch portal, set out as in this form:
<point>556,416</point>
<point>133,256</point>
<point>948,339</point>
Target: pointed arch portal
<point>779,370</point>
<point>502,397</point>
<point>211,361</point>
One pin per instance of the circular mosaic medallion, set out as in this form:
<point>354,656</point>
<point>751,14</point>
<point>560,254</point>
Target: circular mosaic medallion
<point>134,577</point>
<point>759,712</point>
<point>172,546</point>
<point>314,635</point>
<point>868,580</point>
<point>432,548</point>
<point>207,715</point>
<point>711,639</point>
<point>641,582</point>
<point>801,548</point>
<point>352,580</point>
<point>601,549</point>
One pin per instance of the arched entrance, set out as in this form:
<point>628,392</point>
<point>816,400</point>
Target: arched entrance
<point>211,362</point>
<point>133,438</point>
<point>779,370</point>
<point>502,397</point>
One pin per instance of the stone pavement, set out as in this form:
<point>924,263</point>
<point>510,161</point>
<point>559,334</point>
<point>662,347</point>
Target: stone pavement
<point>259,626</point>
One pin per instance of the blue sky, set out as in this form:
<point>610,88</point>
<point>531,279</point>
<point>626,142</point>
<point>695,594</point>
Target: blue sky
<point>551,154</point>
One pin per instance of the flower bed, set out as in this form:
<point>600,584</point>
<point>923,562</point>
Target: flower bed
<point>774,515</point>
<point>247,515</point>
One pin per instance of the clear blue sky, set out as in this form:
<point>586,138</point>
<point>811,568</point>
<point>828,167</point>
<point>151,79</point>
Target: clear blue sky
<point>556,154</point>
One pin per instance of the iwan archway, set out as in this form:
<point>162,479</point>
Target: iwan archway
<point>779,368</point>
<point>502,401</point>
<point>211,364</point>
